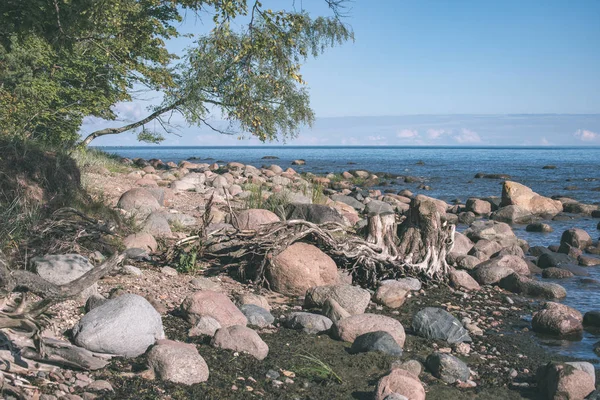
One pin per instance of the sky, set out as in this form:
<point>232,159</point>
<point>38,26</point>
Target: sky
<point>438,73</point>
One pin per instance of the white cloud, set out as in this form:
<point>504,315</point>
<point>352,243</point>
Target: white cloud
<point>129,111</point>
<point>467,136</point>
<point>408,134</point>
<point>436,133</point>
<point>376,138</point>
<point>545,142</point>
<point>585,135</point>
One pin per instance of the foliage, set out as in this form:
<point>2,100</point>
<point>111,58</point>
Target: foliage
<point>89,159</point>
<point>62,61</point>
<point>317,368</point>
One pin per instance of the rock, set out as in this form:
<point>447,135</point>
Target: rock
<point>480,175</point>
<point>557,319</point>
<point>351,298</point>
<point>467,217</point>
<point>180,219</point>
<point>412,366</point>
<point>207,303</point>
<point>484,249</point>
<point>585,367</point>
<point>376,341</point>
<point>131,270</point>
<point>157,225</point>
<point>556,273</point>
<point>435,323</point>
<point>512,214</point>
<point>401,382</point>
<point>251,298</point>
<point>556,260</point>
<point>177,362</point>
<point>492,271</point>
<point>447,368</point>
<point>348,329</point>
<point>308,322</point>
<point>139,201</point>
<point>300,267</point>
<point>563,381</point>
<point>315,213</point>
<point>411,284</point>
<point>183,186</point>
<point>491,230</point>
<point>592,318</point>
<point>529,287</point>
<point>514,193</point>
<point>299,162</point>
<point>468,262</point>
<point>462,280</point>
<point>333,311</point>
<point>203,283</point>
<point>241,338</point>
<point>539,227</point>
<point>257,315</point>
<point>140,241</point>
<point>512,250</point>
<point>205,326</point>
<point>99,386</point>
<point>253,219</point>
<point>376,207</point>
<point>462,244</point>
<point>168,271</point>
<point>391,294</point>
<point>351,201</point>
<point>587,261</point>
<point>395,396</point>
<point>125,326</point>
<point>478,207</point>
<point>576,238</point>
<point>94,301</point>
<point>61,269</point>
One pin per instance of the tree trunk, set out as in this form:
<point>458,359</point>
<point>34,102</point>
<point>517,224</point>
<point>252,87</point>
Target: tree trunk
<point>382,233</point>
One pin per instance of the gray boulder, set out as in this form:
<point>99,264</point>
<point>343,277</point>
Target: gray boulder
<point>315,213</point>
<point>124,326</point>
<point>376,341</point>
<point>308,322</point>
<point>447,368</point>
<point>177,362</point>
<point>435,323</point>
<point>376,207</point>
<point>351,201</point>
<point>61,269</point>
<point>529,287</point>
<point>352,298</point>
<point>257,315</point>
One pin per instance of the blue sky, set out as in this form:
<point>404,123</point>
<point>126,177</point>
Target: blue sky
<point>442,73</point>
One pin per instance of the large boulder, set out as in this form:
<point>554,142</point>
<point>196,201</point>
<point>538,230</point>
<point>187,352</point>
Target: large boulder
<point>157,225</point>
<point>300,267</point>
<point>308,322</point>
<point>557,319</point>
<point>484,249</point>
<point>564,381</point>
<point>126,326</point>
<point>462,280</point>
<point>435,323</point>
<point>241,338</point>
<point>574,238</point>
<point>254,218</point>
<point>257,316</point>
<point>177,362</point>
<point>61,269</point>
<point>391,293</point>
<point>447,368</point>
<point>462,244</point>
<point>377,207</point>
<point>492,271</point>
<point>351,298</point>
<point>376,341</point>
<point>351,201</point>
<point>315,213</point>
<point>401,382</point>
<point>207,303</point>
<point>530,287</point>
<point>348,329</point>
<point>478,206</point>
<point>491,230</point>
<point>555,260</point>
<point>141,240</point>
<point>514,193</point>
<point>139,201</point>
<point>332,310</point>
<point>512,215</point>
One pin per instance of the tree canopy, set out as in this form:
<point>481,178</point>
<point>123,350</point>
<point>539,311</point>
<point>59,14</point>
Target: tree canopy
<point>64,60</point>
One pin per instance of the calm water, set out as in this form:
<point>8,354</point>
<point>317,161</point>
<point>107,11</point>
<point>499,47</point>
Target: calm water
<point>450,174</point>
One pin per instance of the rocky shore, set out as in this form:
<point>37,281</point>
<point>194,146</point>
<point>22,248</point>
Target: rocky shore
<point>186,326</point>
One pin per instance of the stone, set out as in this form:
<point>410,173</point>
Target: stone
<point>391,294</point>
<point>257,315</point>
<point>462,280</point>
<point>448,368</point>
<point>242,339</point>
<point>203,283</point>
<point>255,299</point>
<point>308,322</point>
<point>530,287</point>
<point>557,319</point>
<point>126,326</point>
<point>512,215</point>
<point>576,238</point>
<point>253,219</point>
<point>468,262</point>
<point>435,323</point>
<point>395,396</point>
<point>376,341</point>
<point>351,201</point>
<point>401,382</point>
<point>478,206</point>
<point>138,201</point>
<point>157,225</point>
<point>556,273</point>
<point>205,326</point>
<point>169,271</point>
<point>564,381</point>
<point>177,362</point>
<point>99,386</point>
<point>351,298</point>
<point>585,367</point>
<point>556,260</point>
<point>377,207</point>
<point>412,366</point>
<point>588,261</point>
<point>207,303</point>
<point>94,301</point>
<point>492,271</point>
<point>512,250</point>
<point>493,231</point>
<point>592,318</point>
<point>539,227</point>
<point>484,249</point>
<point>141,240</point>
<point>62,269</point>
<point>348,329</point>
<point>131,270</point>
<point>332,310</point>
<point>514,193</point>
<point>462,244</point>
<point>315,213</point>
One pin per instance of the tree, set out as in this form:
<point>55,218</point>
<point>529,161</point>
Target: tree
<point>64,60</point>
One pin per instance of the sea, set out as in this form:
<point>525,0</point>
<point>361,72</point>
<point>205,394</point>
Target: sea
<point>449,172</point>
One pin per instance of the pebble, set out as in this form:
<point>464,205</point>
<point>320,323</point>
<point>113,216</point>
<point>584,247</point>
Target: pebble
<point>271,374</point>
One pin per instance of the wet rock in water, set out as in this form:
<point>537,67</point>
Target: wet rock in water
<point>125,326</point>
<point>549,167</point>
<point>241,338</point>
<point>333,311</point>
<point>205,326</point>
<point>557,319</point>
<point>391,294</point>
<point>315,213</point>
<point>253,219</point>
<point>376,341</point>
<point>512,250</point>
<point>251,298</point>
<point>61,269</point>
<point>299,162</point>
<point>348,329</point>
<point>351,298</point>
<point>478,206</point>
<point>207,303</point>
<point>539,227</point>
<point>435,323</point>
<point>493,231</point>
<point>556,273</point>
<point>557,260</point>
<point>481,175</point>
<point>563,381</point>
<point>514,193</point>
<point>530,287</point>
<point>492,271</point>
<point>512,214</point>
<point>592,318</point>
<point>447,368</point>
<point>140,241</point>
<point>257,315</point>
<point>462,280</point>
<point>401,382</point>
<point>308,322</point>
<point>587,261</point>
<point>177,362</point>
<point>300,267</point>
<point>575,237</point>
<point>139,201</point>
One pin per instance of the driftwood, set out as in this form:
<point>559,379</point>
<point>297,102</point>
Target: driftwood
<point>418,247</point>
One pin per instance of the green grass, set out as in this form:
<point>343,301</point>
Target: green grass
<point>88,159</point>
<point>316,368</point>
